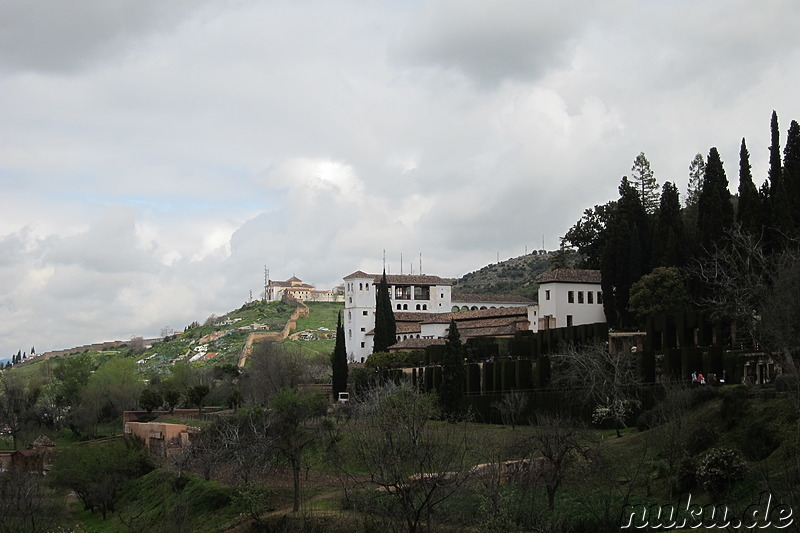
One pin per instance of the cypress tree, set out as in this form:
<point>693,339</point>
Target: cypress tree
<point>626,254</point>
<point>715,211</point>
<point>385,326</point>
<point>339,360</point>
<point>749,215</point>
<point>451,390</point>
<point>669,229</point>
<point>791,172</point>
<point>780,216</point>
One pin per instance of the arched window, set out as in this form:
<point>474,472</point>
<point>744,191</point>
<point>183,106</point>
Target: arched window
<point>399,308</point>
<point>405,307</point>
<point>424,307</point>
<point>418,308</point>
<point>361,286</point>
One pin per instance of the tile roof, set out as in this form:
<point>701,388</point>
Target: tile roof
<point>570,275</point>
<point>416,344</point>
<point>460,316</point>
<point>496,298</point>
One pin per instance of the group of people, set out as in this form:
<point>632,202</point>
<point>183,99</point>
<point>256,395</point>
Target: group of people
<point>699,379</point>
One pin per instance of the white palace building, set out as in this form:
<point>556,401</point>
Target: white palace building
<point>424,305</point>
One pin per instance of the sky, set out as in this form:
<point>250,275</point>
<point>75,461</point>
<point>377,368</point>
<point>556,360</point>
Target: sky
<point>156,157</point>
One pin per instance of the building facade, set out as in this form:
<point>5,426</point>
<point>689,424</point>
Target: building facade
<point>408,293</point>
<point>570,297</point>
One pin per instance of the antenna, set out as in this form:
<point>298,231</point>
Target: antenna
<point>420,263</point>
<point>401,263</point>
<point>266,283</point>
<point>384,259</point>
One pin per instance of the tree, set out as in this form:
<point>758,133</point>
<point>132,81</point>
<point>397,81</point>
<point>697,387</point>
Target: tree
<point>749,215</point>
<point>451,389</point>
<point>339,360</point>
<point>97,472</point>
<point>414,467</point>
<point>715,211</point>
<point>27,504</point>
<point>660,292</point>
<point>644,181</point>
<point>697,171</point>
<point>294,414</point>
<point>589,234</point>
<point>555,446</point>
<point>385,326</point>
<point>791,172</point>
<point>669,229</point>
<point>197,395</point>
<point>606,380</point>
<point>150,399</point>
<point>16,406</point>
<point>626,254</point>
<point>780,221</point>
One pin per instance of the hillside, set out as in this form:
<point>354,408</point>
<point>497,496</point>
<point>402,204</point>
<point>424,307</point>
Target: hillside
<point>513,276</point>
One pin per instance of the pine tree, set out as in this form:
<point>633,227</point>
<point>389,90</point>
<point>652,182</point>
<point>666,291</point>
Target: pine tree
<point>775,170</point>
<point>385,326</point>
<point>339,361</point>
<point>715,211</point>
<point>791,172</point>
<point>643,179</point>
<point>749,215</point>
<point>451,390</point>
<point>697,171</point>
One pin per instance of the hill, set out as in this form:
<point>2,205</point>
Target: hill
<point>513,276</point>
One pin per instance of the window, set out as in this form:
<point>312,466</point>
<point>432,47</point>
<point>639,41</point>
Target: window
<point>589,297</point>
<point>361,286</point>
<point>349,333</point>
<point>349,316</point>
<point>547,295</point>
<point>569,321</point>
<point>364,313</point>
<point>422,293</point>
<point>363,329</point>
<point>399,308</point>
<point>366,286</point>
<point>599,297</point>
<point>362,344</point>
<point>424,307</point>
<point>580,297</point>
<point>571,297</point>
<point>418,307</point>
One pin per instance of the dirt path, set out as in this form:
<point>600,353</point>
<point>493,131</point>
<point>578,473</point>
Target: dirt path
<point>277,336</point>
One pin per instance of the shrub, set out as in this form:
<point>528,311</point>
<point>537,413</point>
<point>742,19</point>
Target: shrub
<point>701,439</point>
<point>758,441</point>
<point>720,469</point>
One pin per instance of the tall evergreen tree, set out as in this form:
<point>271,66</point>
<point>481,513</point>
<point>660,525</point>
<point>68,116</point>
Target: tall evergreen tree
<point>779,209</point>
<point>385,326</point>
<point>749,215</point>
<point>644,181</point>
<point>339,360</point>
<point>626,254</point>
<point>775,170</point>
<point>697,171</point>
<point>669,229</point>
<point>791,172</point>
<point>451,390</point>
<point>715,211</point>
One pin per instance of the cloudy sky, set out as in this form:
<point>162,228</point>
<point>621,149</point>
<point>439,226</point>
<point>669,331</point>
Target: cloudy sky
<point>156,156</point>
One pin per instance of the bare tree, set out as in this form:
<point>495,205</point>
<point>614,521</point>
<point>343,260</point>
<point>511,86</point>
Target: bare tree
<point>551,451</point>
<point>606,380</point>
<point>415,465</point>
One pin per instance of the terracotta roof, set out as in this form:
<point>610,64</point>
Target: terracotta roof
<point>570,275</point>
<point>498,298</point>
<point>401,279</point>
<point>415,344</point>
<point>411,316</point>
<point>408,327</point>
<point>459,316</point>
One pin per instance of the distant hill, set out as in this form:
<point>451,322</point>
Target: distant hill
<point>513,276</point>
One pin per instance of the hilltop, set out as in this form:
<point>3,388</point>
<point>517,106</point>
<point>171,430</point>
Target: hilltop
<point>516,275</point>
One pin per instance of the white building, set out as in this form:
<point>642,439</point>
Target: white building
<point>408,292</point>
<point>570,297</point>
<point>295,288</point>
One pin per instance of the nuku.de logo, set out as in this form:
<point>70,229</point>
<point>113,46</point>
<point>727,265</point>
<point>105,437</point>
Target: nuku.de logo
<point>767,513</point>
